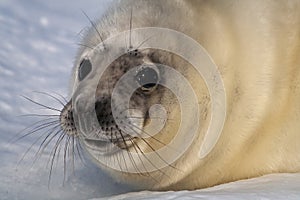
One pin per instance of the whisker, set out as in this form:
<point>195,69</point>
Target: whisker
<point>153,165</point>
<point>27,151</point>
<point>137,117</point>
<point>135,148</point>
<point>49,126</point>
<point>70,153</point>
<point>65,157</point>
<point>16,137</point>
<point>130,156</point>
<point>37,115</point>
<point>36,129</point>
<point>145,141</point>
<point>73,154</point>
<point>143,42</point>
<point>130,29</point>
<point>49,133</point>
<point>122,152</point>
<point>111,133</point>
<point>79,149</point>
<point>95,27</point>
<point>42,105</point>
<point>143,131</point>
<point>153,150</point>
<point>61,96</point>
<point>49,95</point>
<point>85,45</point>
<point>117,157</point>
<point>150,163</point>
<point>45,143</point>
<point>149,135</point>
<point>52,154</point>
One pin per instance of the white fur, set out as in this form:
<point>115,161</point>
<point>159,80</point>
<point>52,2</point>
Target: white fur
<point>256,45</point>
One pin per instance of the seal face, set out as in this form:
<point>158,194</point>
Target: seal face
<point>111,138</point>
<point>147,76</point>
<point>114,105</point>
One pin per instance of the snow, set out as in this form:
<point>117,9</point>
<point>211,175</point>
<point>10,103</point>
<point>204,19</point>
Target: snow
<point>274,186</point>
<point>38,44</point>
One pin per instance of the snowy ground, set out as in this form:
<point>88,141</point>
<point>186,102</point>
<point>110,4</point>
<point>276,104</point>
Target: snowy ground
<point>273,187</point>
<point>38,44</point>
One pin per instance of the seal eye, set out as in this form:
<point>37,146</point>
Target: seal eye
<point>84,69</point>
<point>147,78</point>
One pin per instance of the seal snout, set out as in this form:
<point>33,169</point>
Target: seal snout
<point>67,120</point>
<point>109,129</point>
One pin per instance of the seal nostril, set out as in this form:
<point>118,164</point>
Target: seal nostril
<point>103,111</point>
<point>147,77</point>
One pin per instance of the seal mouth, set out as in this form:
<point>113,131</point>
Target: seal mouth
<point>112,146</point>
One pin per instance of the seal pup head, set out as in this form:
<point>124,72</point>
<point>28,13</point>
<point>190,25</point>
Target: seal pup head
<point>118,136</point>
<point>119,129</point>
<point>147,76</point>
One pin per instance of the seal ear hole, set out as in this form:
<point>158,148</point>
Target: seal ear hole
<point>84,69</point>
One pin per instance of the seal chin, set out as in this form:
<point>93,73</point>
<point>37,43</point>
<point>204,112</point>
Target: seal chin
<point>104,148</point>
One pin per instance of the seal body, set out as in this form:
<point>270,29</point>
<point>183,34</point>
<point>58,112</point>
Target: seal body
<point>256,47</point>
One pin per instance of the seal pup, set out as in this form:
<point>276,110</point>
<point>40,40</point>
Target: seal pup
<point>255,46</point>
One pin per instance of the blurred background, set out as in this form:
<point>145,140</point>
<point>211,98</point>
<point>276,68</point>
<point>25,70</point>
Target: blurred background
<point>38,45</point>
